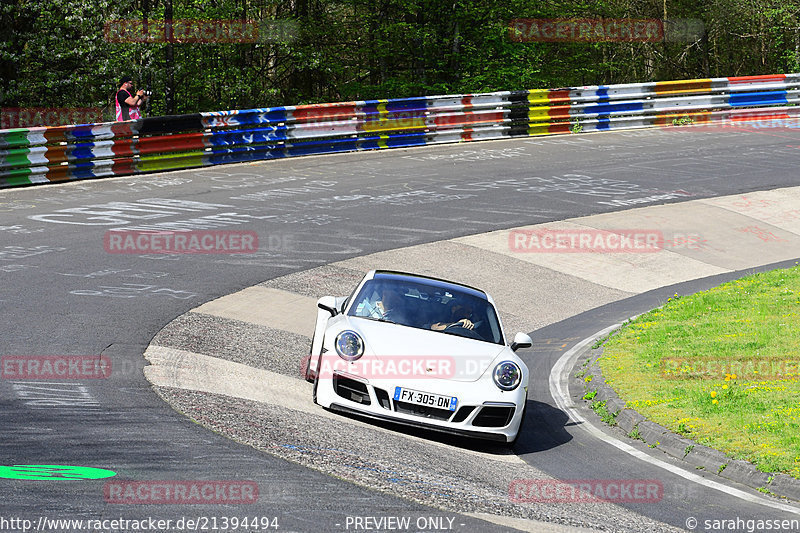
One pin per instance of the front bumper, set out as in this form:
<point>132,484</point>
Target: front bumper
<point>483,411</point>
<point>420,424</point>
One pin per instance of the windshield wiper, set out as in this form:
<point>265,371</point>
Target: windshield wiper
<point>379,319</point>
<point>477,337</point>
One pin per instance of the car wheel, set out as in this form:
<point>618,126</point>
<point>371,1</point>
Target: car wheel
<point>306,369</point>
<point>314,393</point>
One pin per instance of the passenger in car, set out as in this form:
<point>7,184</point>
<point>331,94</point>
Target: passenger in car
<point>392,306</point>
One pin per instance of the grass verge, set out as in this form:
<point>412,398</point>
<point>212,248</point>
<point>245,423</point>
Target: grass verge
<point>721,367</point>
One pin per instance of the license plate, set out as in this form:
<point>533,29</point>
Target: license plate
<point>425,398</point>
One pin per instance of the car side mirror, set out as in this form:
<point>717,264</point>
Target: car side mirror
<point>328,303</point>
<point>521,340</point>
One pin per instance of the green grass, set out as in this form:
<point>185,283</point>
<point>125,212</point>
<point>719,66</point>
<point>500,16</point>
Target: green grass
<point>720,367</point>
<point>602,411</point>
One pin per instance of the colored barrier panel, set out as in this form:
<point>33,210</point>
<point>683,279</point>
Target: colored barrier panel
<point>39,155</point>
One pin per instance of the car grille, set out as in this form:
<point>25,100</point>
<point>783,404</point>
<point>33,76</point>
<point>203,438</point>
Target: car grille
<point>350,389</point>
<point>422,411</point>
<point>491,416</point>
<point>463,413</point>
<point>383,398</point>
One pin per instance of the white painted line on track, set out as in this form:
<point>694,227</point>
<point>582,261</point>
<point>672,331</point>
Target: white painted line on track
<point>559,377</point>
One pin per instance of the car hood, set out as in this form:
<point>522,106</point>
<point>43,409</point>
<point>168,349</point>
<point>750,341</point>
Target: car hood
<point>467,359</point>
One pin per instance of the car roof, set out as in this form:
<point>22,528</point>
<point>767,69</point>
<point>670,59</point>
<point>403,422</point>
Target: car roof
<point>391,275</point>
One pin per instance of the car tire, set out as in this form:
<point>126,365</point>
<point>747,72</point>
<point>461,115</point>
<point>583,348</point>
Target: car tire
<point>306,369</point>
<point>308,375</point>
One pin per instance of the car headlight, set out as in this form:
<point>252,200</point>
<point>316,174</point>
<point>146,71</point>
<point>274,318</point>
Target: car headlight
<point>507,375</point>
<point>349,345</point>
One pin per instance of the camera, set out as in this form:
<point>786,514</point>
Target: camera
<point>147,93</point>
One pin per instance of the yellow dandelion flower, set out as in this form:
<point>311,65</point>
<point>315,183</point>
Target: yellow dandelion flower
<point>724,386</point>
<point>713,394</point>
<point>714,402</point>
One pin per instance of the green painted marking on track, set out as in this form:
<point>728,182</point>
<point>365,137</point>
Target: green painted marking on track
<point>54,472</point>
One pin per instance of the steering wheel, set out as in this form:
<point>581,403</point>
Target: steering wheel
<point>464,332</point>
<point>458,325</point>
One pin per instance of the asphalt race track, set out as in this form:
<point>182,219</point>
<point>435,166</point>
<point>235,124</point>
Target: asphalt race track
<point>64,294</point>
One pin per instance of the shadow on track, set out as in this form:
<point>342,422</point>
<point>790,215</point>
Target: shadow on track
<point>543,428</point>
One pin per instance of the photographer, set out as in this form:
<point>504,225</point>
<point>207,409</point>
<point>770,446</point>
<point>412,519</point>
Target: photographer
<point>127,105</point>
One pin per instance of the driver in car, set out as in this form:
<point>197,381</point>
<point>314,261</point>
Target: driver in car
<point>460,316</point>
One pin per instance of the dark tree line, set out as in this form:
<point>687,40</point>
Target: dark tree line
<point>56,53</point>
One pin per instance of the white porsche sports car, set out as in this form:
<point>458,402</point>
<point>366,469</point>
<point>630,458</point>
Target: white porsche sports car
<point>419,351</point>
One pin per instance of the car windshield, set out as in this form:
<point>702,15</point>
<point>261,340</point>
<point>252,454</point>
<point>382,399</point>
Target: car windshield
<point>428,304</point>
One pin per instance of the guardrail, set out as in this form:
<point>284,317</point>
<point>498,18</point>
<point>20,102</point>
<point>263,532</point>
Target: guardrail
<point>55,154</point>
